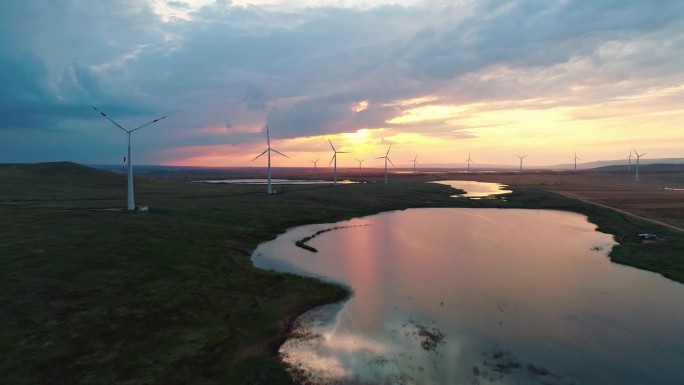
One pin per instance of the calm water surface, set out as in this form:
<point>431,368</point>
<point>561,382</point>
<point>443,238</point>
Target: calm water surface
<point>480,296</point>
<point>475,189</point>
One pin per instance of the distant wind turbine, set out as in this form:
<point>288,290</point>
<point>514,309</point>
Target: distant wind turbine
<point>469,161</point>
<point>638,156</point>
<point>387,159</point>
<point>314,163</point>
<point>521,158</point>
<point>334,159</point>
<point>131,198</point>
<point>576,159</point>
<point>629,161</point>
<point>269,150</point>
<point>415,162</point>
<point>360,161</point>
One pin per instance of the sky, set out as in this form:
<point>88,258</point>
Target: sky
<point>434,79</point>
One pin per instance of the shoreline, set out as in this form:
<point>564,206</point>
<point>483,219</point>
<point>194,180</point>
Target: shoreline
<point>580,207</point>
<point>297,333</point>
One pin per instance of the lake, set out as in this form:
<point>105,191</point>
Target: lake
<point>479,296</point>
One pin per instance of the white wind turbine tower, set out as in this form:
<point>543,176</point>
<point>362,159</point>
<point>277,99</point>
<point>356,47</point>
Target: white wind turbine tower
<point>521,158</point>
<point>415,162</point>
<point>629,161</point>
<point>638,156</point>
<point>268,150</point>
<point>314,163</point>
<point>469,161</point>
<point>386,158</point>
<point>334,159</point>
<point>360,161</point>
<point>576,159</point>
<point>131,197</point>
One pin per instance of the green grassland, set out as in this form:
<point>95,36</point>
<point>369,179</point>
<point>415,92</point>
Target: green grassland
<point>92,295</point>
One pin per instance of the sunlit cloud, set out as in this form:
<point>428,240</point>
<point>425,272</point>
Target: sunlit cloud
<point>428,113</point>
<point>412,102</point>
<point>360,106</point>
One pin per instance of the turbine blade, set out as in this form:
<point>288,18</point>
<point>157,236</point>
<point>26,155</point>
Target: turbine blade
<point>268,137</point>
<point>278,152</point>
<point>342,152</point>
<point>388,150</point>
<point>110,119</point>
<point>390,160</point>
<point>333,158</point>
<point>147,124</point>
<point>331,145</point>
<point>260,155</point>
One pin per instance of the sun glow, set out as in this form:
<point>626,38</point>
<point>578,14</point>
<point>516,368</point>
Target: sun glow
<point>493,132</point>
<point>412,102</point>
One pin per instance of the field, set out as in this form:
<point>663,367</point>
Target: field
<point>92,294</point>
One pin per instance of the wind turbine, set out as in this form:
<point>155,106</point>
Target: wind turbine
<point>521,158</point>
<point>386,158</point>
<point>314,163</point>
<point>638,156</point>
<point>360,161</point>
<point>576,159</point>
<point>334,159</point>
<point>469,161</point>
<point>629,161</point>
<point>415,161</point>
<point>268,150</point>
<point>131,198</point>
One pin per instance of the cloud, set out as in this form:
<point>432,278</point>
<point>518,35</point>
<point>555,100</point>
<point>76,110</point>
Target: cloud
<point>303,70</point>
<point>178,5</point>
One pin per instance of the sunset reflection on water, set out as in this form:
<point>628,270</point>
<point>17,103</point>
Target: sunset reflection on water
<point>475,189</point>
<point>529,290</point>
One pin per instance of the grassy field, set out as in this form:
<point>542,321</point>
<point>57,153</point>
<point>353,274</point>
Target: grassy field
<point>94,295</point>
